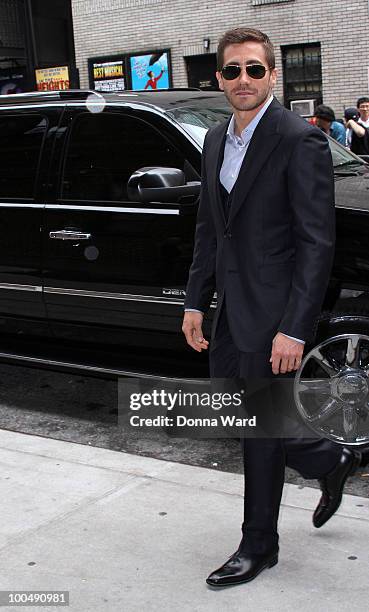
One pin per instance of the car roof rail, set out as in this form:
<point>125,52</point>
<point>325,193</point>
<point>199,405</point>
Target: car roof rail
<point>165,90</point>
<point>81,94</point>
<point>65,94</point>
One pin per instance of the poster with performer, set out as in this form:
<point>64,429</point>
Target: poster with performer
<point>150,71</point>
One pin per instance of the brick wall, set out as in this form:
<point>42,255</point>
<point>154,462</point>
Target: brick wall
<point>108,27</point>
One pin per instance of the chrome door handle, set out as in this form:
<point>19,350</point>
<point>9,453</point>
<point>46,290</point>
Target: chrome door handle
<point>69,235</point>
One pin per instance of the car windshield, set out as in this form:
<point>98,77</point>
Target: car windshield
<point>343,157</point>
<point>197,120</point>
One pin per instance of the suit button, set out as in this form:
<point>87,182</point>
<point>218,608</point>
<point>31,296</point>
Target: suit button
<point>227,235</point>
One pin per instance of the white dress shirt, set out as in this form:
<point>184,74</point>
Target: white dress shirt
<point>236,147</point>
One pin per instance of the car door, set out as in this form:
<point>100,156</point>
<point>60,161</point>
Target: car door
<point>25,145</point>
<point>115,270</point>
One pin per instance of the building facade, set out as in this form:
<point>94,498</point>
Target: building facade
<point>36,46</point>
<point>322,46</point>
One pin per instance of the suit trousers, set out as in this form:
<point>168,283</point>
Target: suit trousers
<point>265,458</point>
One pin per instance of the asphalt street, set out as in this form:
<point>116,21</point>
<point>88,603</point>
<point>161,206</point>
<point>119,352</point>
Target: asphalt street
<point>84,410</point>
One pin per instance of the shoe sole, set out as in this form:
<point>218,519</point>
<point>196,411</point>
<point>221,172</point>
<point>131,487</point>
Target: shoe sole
<point>270,564</point>
<point>352,471</point>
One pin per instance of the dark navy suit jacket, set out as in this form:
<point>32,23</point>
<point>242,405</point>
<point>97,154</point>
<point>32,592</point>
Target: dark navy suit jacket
<point>272,257</point>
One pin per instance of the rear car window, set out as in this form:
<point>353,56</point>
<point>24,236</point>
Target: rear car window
<point>21,142</point>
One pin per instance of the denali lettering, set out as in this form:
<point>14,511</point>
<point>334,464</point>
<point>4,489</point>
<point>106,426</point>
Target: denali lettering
<point>174,292</point>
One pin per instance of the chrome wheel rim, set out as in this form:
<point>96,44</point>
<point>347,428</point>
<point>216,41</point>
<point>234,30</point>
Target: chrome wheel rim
<point>331,389</point>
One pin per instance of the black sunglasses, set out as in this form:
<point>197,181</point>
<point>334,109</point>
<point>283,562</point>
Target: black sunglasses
<point>233,71</point>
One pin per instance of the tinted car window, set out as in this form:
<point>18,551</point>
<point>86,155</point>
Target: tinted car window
<point>342,156</point>
<point>106,149</point>
<point>196,120</point>
<point>20,148</point>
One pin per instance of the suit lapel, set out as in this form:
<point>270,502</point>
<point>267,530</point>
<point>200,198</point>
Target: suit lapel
<point>216,154</point>
<point>264,140</point>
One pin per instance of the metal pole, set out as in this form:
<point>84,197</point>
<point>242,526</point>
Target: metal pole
<point>23,14</point>
<point>32,32</point>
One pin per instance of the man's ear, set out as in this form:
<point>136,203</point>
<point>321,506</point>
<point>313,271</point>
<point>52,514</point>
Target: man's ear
<point>274,74</point>
<point>220,80</point>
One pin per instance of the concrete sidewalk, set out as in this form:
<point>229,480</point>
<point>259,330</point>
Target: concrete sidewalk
<point>124,533</point>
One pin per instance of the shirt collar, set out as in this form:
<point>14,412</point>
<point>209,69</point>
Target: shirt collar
<point>247,133</point>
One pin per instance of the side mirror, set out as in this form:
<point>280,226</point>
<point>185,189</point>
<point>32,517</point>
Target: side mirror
<point>152,184</point>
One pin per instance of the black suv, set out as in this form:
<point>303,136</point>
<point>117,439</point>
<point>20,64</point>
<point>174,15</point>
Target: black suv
<point>98,200</point>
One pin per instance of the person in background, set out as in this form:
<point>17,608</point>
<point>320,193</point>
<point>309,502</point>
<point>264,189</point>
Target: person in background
<point>363,108</point>
<point>311,120</point>
<point>358,123</point>
<point>350,114</point>
<point>326,120</point>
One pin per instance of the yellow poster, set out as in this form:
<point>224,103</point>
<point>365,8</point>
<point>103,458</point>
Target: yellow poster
<point>52,79</point>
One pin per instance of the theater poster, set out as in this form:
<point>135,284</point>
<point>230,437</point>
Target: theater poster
<point>150,70</point>
<point>53,79</point>
<point>108,76</point>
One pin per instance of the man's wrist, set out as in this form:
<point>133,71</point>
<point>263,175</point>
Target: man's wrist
<point>193,310</point>
<point>293,338</point>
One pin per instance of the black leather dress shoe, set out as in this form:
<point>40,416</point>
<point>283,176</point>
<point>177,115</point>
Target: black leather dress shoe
<point>332,486</point>
<point>241,567</point>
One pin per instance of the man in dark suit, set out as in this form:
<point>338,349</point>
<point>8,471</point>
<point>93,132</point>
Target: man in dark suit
<point>265,241</point>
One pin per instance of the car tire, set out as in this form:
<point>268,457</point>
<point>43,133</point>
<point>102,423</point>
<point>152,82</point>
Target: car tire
<point>350,315</point>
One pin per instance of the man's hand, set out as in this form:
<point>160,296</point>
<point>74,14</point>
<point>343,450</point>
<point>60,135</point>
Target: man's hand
<point>286,354</point>
<point>192,329</point>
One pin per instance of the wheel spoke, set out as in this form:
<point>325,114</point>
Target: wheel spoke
<point>330,407</point>
<point>315,385</point>
<point>334,400</point>
<point>353,352</point>
<point>328,364</point>
<point>350,422</point>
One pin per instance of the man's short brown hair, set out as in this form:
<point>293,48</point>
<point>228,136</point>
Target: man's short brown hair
<point>241,35</point>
